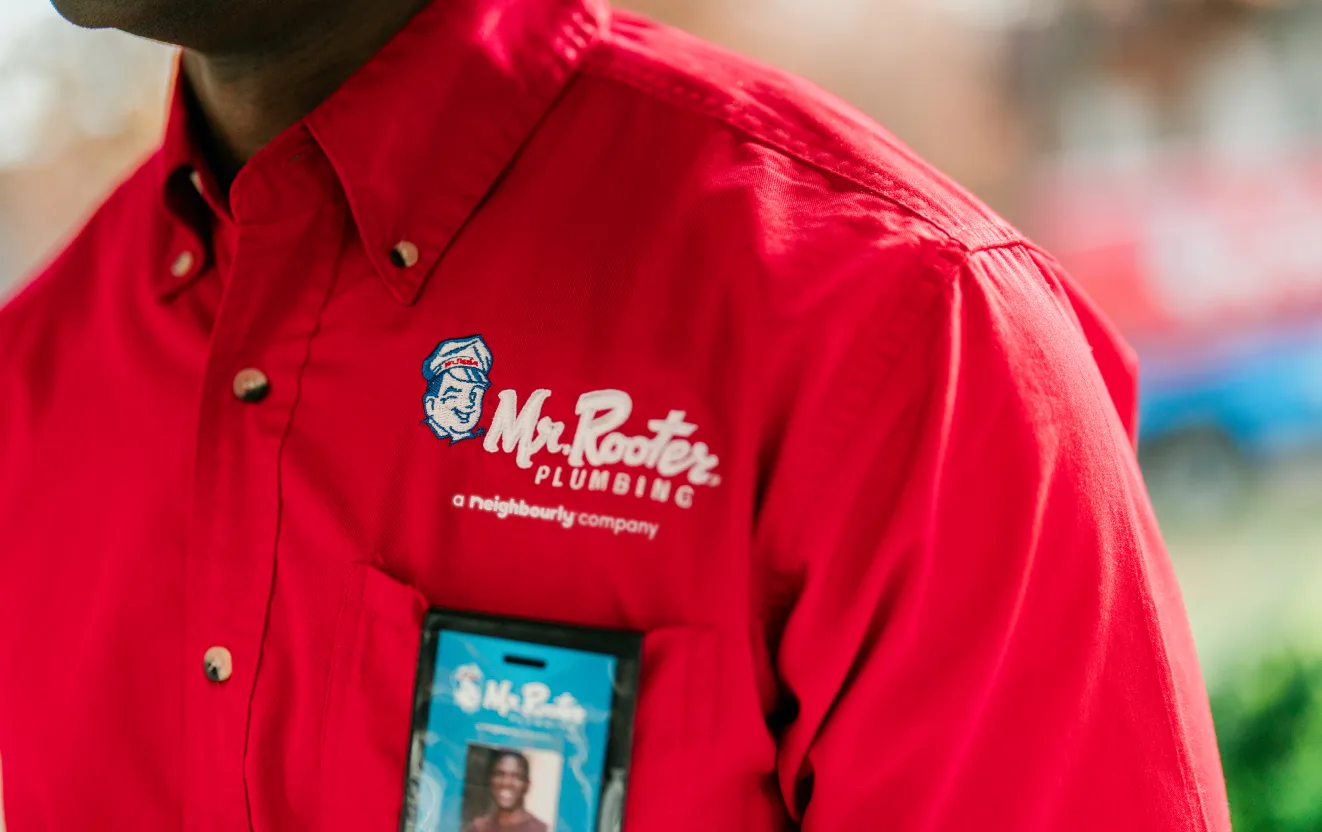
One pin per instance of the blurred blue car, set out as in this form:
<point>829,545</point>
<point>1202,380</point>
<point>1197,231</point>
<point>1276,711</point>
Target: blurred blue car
<point>1212,413</point>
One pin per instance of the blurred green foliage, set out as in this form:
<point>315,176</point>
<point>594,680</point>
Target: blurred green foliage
<point>1269,726</point>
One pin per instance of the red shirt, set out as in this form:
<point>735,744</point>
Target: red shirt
<point>565,315</point>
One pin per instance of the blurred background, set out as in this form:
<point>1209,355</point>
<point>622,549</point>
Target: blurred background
<point>1168,151</point>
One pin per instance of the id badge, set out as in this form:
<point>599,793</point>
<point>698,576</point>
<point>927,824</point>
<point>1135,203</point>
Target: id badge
<point>520,726</point>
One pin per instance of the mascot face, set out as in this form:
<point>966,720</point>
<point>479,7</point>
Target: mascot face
<point>456,405</point>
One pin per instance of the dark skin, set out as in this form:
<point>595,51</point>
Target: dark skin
<point>255,67</point>
<point>508,781</point>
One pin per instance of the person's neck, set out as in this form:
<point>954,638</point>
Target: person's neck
<point>511,817</point>
<point>246,98</point>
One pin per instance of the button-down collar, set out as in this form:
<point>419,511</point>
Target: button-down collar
<point>420,133</point>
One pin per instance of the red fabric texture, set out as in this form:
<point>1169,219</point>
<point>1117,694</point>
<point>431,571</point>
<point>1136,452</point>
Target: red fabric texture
<point>852,454</point>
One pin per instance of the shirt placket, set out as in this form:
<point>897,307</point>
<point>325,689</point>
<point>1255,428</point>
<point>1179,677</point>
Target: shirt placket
<point>290,223</point>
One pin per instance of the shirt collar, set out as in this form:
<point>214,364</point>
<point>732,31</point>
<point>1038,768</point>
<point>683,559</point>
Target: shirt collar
<point>418,136</point>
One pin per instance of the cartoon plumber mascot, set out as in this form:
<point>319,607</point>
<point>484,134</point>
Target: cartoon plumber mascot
<point>456,374</point>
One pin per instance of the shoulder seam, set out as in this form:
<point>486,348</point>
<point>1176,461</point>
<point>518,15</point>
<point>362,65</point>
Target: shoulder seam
<point>1014,243</point>
<point>729,112</point>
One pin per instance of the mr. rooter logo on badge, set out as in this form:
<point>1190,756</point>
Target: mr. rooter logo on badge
<point>473,692</point>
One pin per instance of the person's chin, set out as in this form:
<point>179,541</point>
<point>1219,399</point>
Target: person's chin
<point>145,18</point>
<point>190,23</point>
<point>93,14</point>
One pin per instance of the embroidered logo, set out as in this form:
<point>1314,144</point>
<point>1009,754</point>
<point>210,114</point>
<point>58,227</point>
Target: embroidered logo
<point>663,463</point>
<point>456,374</point>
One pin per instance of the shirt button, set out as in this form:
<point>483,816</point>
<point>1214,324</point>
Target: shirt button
<point>183,264</point>
<point>219,664</point>
<point>251,385</point>
<point>404,254</point>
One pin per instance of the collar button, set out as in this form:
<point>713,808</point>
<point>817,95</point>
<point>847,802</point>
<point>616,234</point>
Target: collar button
<point>404,255</point>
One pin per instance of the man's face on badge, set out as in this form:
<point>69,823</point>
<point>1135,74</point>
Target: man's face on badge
<point>509,786</point>
<point>457,405</point>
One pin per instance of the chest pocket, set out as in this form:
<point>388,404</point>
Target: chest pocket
<point>369,708</point>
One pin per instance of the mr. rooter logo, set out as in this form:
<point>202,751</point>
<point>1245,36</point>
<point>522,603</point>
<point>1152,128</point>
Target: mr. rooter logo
<point>664,464</point>
<point>473,692</point>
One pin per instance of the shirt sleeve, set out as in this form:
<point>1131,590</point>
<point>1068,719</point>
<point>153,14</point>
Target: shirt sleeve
<point>984,630</point>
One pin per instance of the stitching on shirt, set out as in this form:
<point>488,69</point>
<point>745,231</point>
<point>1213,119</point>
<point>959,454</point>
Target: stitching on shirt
<point>299,377</point>
<point>729,111</point>
<point>1015,243</point>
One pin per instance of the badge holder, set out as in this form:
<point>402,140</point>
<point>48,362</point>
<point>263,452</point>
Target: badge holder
<point>520,726</point>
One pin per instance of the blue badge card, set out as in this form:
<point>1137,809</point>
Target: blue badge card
<point>519,726</point>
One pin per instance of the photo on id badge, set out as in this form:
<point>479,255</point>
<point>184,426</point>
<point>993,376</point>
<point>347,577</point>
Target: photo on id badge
<point>511,790</point>
<point>519,726</point>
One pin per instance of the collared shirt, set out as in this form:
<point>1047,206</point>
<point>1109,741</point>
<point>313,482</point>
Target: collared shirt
<point>733,369</point>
